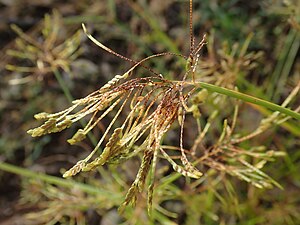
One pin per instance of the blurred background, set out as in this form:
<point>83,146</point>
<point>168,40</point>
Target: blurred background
<point>46,61</point>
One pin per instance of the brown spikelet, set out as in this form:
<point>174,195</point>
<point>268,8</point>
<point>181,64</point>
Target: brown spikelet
<point>138,185</point>
<point>144,169</point>
<point>150,198</point>
<point>130,198</point>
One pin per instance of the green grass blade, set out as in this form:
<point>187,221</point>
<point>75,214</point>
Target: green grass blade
<point>248,98</point>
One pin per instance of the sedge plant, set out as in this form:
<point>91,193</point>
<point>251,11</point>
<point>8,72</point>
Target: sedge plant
<point>154,106</point>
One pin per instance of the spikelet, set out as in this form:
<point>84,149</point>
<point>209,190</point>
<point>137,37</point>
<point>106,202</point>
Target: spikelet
<point>144,169</point>
<point>41,116</point>
<point>189,169</point>
<point>114,81</point>
<point>192,171</point>
<point>113,146</point>
<point>138,185</point>
<point>111,150</point>
<point>66,123</point>
<point>75,169</point>
<point>196,174</point>
<point>46,128</point>
<point>81,101</point>
<point>50,126</point>
<point>150,198</point>
<point>77,137</point>
<point>130,197</point>
<point>187,172</point>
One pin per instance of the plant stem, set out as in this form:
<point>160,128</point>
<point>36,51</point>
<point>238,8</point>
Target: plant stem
<point>55,180</point>
<point>62,84</point>
<point>247,98</point>
<point>283,67</point>
<point>68,95</point>
<point>291,127</point>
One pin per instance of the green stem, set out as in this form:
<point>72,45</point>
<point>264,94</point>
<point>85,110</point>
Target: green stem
<point>54,180</point>
<point>63,85</point>
<point>68,95</point>
<point>283,67</point>
<point>247,98</point>
<point>286,70</point>
<point>291,127</point>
